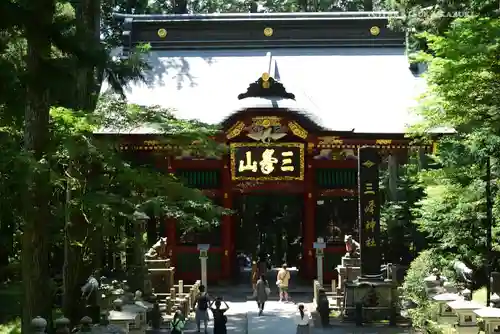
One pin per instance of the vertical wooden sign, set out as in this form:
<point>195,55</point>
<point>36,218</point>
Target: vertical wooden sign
<point>369,211</point>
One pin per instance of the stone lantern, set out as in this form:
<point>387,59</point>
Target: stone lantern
<point>38,325</point>
<point>62,325</point>
<point>139,270</point>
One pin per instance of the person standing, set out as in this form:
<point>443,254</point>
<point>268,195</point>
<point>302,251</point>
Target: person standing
<point>282,280</point>
<point>201,304</point>
<point>302,320</point>
<point>262,291</point>
<point>220,319</point>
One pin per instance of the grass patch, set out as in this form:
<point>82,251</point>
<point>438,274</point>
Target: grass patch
<point>479,296</point>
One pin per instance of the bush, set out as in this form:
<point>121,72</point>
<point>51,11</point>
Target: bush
<point>421,267</point>
<point>424,315</point>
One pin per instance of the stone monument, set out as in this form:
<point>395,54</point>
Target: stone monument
<point>370,297</point>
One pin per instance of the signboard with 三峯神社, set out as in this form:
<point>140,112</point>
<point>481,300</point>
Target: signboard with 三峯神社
<point>369,210</point>
<point>267,161</point>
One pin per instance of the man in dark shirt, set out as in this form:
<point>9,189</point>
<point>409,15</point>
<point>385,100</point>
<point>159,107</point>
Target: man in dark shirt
<point>201,305</point>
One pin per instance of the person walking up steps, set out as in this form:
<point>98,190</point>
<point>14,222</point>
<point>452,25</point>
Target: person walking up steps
<point>282,281</point>
<point>201,314</point>
<point>220,319</point>
<point>262,293</point>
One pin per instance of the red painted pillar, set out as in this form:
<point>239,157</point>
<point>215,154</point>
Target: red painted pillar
<point>170,223</point>
<point>309,221</point>
<point>227,224</point>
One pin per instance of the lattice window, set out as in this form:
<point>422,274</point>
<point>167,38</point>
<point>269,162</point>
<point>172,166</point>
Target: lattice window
<point>336,178</point>
<point>200,179</point>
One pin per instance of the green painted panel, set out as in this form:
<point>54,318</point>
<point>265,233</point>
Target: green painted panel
<point>190,262</point>
<point>334,178</point>
<point>332,260</point>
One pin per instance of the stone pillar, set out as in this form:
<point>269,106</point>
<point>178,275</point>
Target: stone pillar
<point>139,266</point>
<point>495,282</point>
<point>369,211</point>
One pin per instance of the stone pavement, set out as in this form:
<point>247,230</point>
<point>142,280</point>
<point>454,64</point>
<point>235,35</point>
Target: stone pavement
<point>243,318</point>
<point>278,319</point>
<point>236,319</point>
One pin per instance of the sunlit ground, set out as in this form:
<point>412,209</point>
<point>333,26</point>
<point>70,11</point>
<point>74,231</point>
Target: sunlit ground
<point>13,327</point>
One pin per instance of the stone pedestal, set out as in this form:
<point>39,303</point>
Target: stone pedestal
<point>465,312</point>
<point>350,261</point>
<point>443,299</point>
<point>491,318</point>
<point>373,298</point>
<point>349,270</point>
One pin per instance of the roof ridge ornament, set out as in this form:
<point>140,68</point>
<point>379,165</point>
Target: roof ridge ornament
<point>266,86</point>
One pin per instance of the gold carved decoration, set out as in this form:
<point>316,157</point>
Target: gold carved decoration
<point>268,32</point>
<point>383,142</point>
<point>375,31</point>
<point>234,146</point>
<point>297,130</point>
<point>330,141</point>
<point>162,33</point>
<point>266,129</point>
<point>235,130</point>
<point>266,121</point>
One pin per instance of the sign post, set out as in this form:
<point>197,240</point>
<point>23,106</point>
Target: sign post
<point>319,245</point>
<point>203,248</point>
<point>369,211</point>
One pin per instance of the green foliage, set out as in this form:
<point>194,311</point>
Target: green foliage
<point>424,315</point>
<point>398,215</point>
<point>463,74</point>
<point>424,318</point>
<point>420,268</point>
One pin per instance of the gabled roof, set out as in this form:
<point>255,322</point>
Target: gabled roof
<point>341,74</point>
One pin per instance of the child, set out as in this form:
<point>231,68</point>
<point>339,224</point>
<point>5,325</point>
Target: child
<point>177,323</point>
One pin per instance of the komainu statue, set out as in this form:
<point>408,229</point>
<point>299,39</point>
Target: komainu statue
<point>158,251</point>
<point>351,247</point>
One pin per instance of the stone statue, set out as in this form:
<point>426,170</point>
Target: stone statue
<point>463,272</point>
<point>158,251</point>
<point>351,246</point>
<point>90,290</point>
<point>91,295</point>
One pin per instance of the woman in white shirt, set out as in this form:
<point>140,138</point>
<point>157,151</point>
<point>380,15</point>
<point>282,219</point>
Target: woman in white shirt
<point>302,320</point>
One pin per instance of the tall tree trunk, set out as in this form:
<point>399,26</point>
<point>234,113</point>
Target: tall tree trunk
<point>35,240</point>
<point>368,5</point>
<point>87,89</point>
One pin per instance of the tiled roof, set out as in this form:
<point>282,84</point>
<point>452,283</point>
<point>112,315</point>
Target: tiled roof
<point>368,89</point>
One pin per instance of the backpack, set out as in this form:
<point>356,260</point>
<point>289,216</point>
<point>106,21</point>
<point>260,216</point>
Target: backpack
<point>203,302</point>
<point>178,325</point>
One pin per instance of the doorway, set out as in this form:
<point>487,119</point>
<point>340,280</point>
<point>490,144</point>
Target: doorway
<point>271,224</point>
